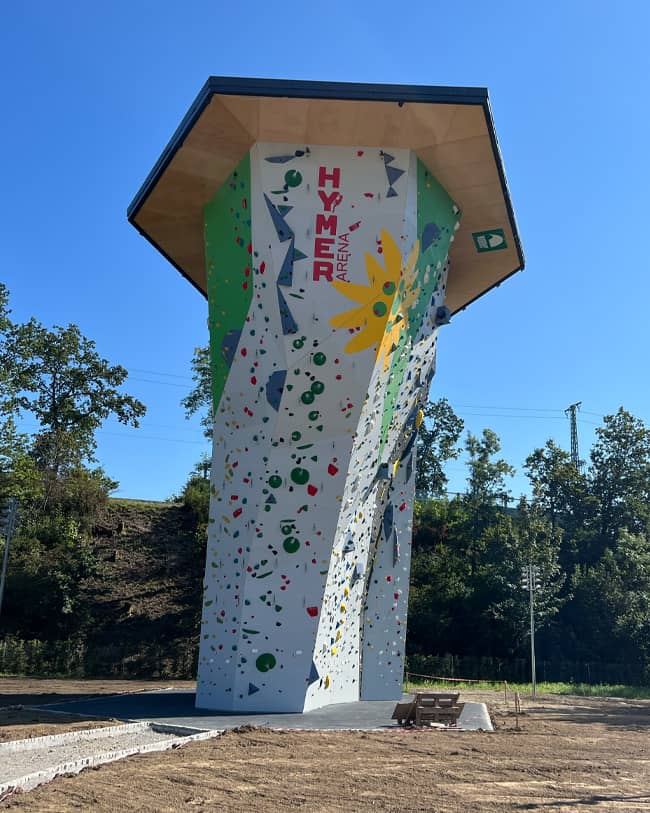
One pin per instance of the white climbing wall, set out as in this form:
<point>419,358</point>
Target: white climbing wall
<point>326,274</point>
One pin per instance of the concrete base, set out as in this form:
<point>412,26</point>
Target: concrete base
<point>173,707</point>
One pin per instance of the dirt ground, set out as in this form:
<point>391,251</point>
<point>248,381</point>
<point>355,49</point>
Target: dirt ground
<point>569,754</point>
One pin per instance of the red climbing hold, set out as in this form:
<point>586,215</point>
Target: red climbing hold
<point>332,469</point>
<point>312,490</point>
<point>312,611</point>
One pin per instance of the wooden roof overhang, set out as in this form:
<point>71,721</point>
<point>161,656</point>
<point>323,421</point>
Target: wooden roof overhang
<point>451,130</point>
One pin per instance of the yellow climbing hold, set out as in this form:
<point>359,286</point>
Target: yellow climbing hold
<point>334,650</point>
<point>419,418</point>
<point>346,591</point>
<point>327,681</point>
<point>343,608</point>
<point>338,635</point>
<point>395,467</point>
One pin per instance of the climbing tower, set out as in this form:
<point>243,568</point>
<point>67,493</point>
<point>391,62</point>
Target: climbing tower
<point>334,229</point>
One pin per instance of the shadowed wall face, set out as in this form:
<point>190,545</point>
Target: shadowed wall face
<point>326,280</point>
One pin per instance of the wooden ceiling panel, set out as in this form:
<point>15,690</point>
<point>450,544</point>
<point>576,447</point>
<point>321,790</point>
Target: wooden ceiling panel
<point>450,128</point>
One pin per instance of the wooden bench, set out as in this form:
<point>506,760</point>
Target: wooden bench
<point>429,707</point>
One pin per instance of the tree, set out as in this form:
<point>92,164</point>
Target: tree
<point>437,439</point>
<point>486,476</point>
<point>533,541</point>
<point>607,620</point>
<point>7,362</point>
<point>562,493</point>
<point>200,397</point>
<point>620,475</point>
<point>70,390</point>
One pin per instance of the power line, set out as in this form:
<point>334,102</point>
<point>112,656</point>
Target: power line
<point>164,383</point>
<point>158,372</point>
<point>517,409</point>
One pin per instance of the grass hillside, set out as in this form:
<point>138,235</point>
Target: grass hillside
<point>145,599</point>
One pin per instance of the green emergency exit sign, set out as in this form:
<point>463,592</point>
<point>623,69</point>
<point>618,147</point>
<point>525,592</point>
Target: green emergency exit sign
<point>492,240</point>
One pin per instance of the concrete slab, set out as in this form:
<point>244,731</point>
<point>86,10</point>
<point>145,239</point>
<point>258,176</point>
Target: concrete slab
<point>176,707</point>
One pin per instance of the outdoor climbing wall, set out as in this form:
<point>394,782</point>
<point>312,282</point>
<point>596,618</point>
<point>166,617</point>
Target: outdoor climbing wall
<point>326,278</point>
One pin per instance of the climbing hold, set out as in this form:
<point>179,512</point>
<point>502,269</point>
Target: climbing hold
<point>442,316</point>
<point>265,662</point>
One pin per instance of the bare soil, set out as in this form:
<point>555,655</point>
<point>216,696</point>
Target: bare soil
<point>568,754</point>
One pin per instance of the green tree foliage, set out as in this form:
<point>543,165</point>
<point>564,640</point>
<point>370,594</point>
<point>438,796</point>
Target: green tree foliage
<point>57,377</point>
<point>620,476</point>
<point>437,443</point>
<point>563,494</point>
<point>196,501</point>
<point>200,397</point>
<point>486,479</point>
<point>70,390</point>
<point>587,534</point>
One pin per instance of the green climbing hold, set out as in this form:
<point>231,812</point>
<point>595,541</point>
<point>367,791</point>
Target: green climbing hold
<point>265,662</point>
<point>320,359</point>
<point>388,288</point>
<point>317,387</point>
<point>314,415</point>
<point>291,544</point>
<point>299,476</point>
<point>307,397</point>
<point>292,178</point>
<point>296,435</point>
<point>379,309</point>
<point>275,481</point>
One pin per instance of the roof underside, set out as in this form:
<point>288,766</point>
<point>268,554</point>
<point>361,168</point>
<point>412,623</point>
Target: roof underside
<point>450,129</point>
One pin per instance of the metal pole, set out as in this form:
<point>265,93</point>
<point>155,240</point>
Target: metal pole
<point>531,587</point>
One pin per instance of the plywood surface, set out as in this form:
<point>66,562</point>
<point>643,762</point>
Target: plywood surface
<point>453,140</point>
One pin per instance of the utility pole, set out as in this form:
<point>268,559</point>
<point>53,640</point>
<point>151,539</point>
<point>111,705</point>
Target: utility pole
<point>571,412</point>
<point>8,523</point>
<point>530,582</point>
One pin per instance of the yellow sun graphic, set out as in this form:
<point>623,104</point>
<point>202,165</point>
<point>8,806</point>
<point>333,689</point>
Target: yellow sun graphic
<point>397,280</point>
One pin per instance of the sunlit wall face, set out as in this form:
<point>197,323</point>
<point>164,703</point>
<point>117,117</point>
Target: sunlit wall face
<point>326,273</point>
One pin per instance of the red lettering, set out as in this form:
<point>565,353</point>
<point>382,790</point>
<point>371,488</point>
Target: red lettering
<point>334,176</point>
<point>330,202</point>
<point>322,247</point>
<point>323,269</point>
<point>325,223</point>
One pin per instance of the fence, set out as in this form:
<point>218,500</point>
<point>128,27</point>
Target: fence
<point>73,658</point>
<point>517,670</point>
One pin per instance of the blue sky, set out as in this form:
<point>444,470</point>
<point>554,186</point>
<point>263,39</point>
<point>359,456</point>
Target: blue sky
<point>92,93</point>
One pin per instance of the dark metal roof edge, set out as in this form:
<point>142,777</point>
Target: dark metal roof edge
<point>144,234</point>
<point>346,91</point>
<point>174,144</point>
<point>498,160</point>
<point>297,89</point>
<point>486,291</point>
